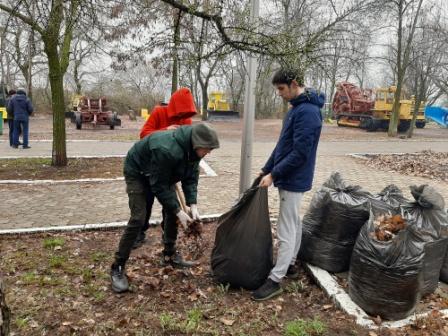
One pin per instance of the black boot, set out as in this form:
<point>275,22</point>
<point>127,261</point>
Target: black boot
<point>141,238</point>
<point>267,291</point>
<point>176,261</point>
<point>119,279</point>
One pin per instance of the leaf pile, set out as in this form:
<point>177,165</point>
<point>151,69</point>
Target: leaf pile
<point>427,163</point>
<point>386,227</point>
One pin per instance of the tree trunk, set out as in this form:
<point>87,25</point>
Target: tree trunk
<point>204,89</point>
<point>417,104</point>
<point>76,77</point>
<point>395,114</point>
<point>5,313</point>
<point>176,40</point>
<point>59,153</point>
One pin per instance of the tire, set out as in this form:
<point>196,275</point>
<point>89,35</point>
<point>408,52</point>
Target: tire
<point>420,124</point>
<point>78,121</point>
<point>403,126</point>
<point>112,121</point>
<point>338,119</point>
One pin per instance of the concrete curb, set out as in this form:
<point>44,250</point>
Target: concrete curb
<point>363,156</point>
<point>341,298</point>
<point>87,227</point>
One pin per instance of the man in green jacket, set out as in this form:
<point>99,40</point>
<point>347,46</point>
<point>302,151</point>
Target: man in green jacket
<point>155,164</point>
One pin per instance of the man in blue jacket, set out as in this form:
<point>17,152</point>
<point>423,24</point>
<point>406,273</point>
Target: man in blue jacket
<point>291,169</point>
<point>20,107</point>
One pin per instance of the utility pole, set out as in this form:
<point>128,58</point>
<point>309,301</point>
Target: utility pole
<point>249,110</point>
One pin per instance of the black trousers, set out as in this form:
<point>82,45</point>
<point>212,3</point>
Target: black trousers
<point>137,189</point>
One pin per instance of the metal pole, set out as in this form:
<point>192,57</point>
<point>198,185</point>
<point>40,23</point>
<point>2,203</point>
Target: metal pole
<point>249,111</point>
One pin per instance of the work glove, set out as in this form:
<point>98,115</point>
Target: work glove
<point>184,219</point>
<point>194,212</point>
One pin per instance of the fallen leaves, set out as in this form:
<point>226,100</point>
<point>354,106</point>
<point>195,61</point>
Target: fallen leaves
<point>430,164</point>
<point>387,227</point>
<point>227,322</point>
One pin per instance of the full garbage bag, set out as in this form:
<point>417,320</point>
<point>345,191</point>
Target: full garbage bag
<point>385,276</point>
<point>330,227</point>
<point>428,217</point>
<point>242,253</point>
<point>389,199</point>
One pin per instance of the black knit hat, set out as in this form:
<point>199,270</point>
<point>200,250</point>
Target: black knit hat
<point>204,136</point>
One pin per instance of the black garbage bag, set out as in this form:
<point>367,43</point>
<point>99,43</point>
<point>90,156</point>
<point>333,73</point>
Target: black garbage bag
<point>428,217</point>
<point>389,199</point>
<point>242,252</point>
<point>385,276</point>
<point>330,227</point>
<point>444,270</point>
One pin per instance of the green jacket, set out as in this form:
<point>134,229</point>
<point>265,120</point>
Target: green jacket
<point>165,158</point>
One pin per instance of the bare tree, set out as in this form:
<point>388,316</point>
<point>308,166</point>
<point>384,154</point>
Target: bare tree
<point>406,14</point>
<point>55,23</point>
<point>428,55</point>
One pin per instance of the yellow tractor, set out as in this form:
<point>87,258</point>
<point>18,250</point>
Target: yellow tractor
<point>218,108</point>
<point>384,100</point>
<point>371,109</point>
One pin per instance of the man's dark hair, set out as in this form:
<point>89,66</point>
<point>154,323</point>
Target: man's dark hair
<point>286,76</point>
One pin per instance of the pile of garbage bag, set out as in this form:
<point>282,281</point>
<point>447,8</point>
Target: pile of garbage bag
<point>388,277</point>
<point>330,227</point>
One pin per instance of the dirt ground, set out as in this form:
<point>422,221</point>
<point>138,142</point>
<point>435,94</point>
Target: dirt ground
<point>77,168</point>
<point>58,284</point>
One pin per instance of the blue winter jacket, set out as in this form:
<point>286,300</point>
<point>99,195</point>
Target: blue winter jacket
<point>292,162</point>
<point>20,107</point>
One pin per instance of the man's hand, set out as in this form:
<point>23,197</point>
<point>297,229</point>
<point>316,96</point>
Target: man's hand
<point>184,219</point>
<point>172,127</point>
<point>266,181</point>
<point>194,212</point>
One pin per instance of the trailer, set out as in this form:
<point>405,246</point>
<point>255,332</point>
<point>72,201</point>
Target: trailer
<point>95,112</point>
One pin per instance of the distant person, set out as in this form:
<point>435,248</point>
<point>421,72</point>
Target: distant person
<point>21,108</point>
<point>291,168</point>
<point>164,117</point>
<point>10,117</point>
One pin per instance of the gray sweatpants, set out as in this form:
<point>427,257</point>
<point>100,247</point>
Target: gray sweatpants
<point>289,233</point>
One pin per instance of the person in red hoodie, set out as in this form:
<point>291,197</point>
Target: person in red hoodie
<point>178,112</point>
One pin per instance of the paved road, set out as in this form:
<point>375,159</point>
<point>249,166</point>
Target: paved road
<point>23,206</point>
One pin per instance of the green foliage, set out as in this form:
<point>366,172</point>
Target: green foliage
<point>301,327</point>
<point>57,261</point>
<point>168,322</point>
<point>294,287</point>
<point>98,256</point>
<point>87,275</point>
<point>51,243</point>
<point>194,317</point>
<point>21,322</point>
<point>30,278</point>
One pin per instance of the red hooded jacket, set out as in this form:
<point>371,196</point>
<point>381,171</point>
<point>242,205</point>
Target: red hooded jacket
<point>179,111</point>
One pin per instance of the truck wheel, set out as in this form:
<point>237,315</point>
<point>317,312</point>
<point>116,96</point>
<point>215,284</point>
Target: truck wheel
<point>112,121</point>
<point>78,121</point>
<point>403,126</point>
<point>420,124</point>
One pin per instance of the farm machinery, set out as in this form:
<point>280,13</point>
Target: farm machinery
<point>218,108</point>
<point>93,111</point>
<point>371,109</point>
